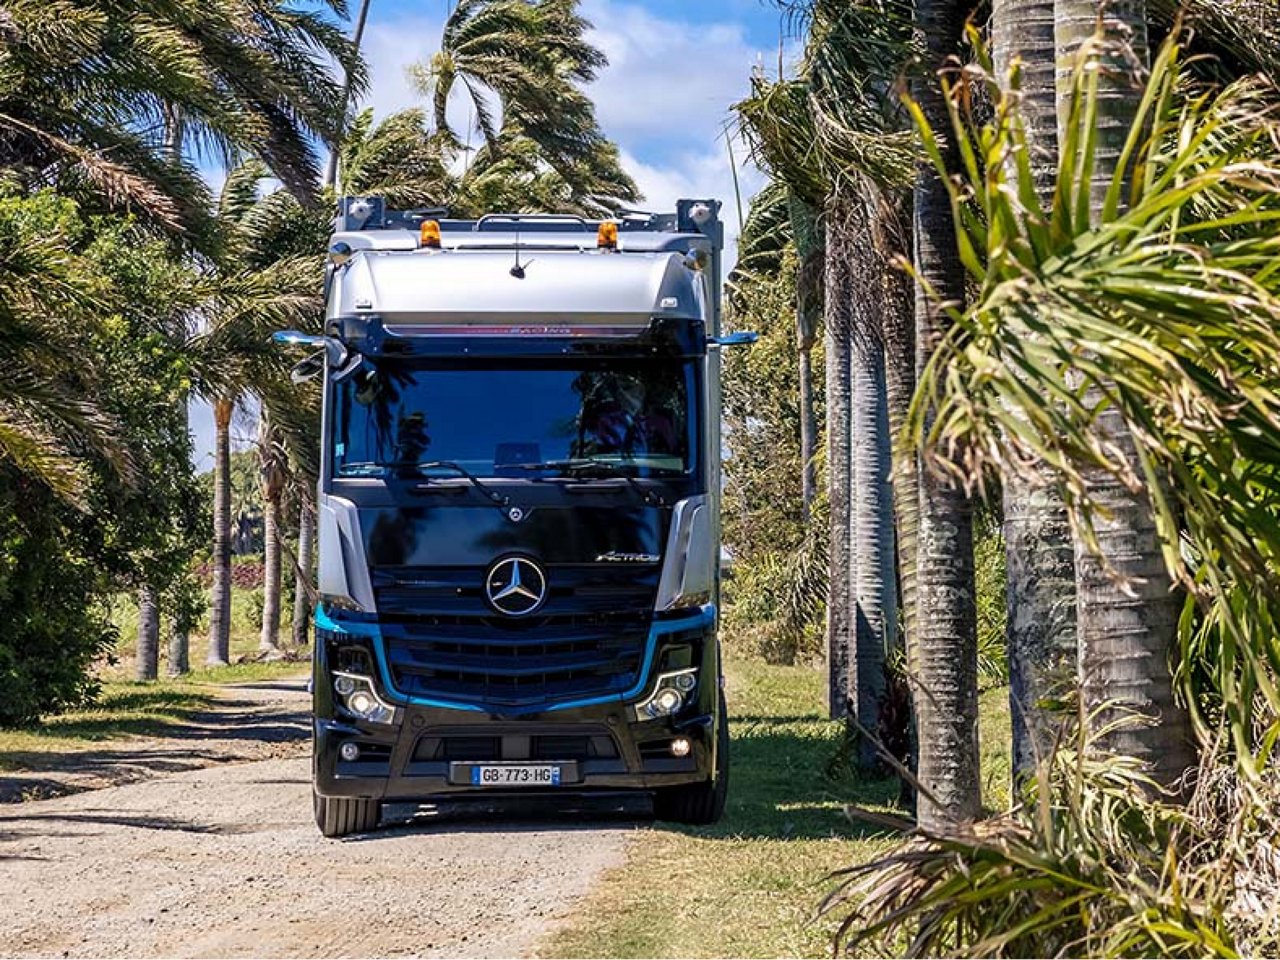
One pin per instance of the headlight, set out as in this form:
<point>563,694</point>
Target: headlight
<point>670,694</point>
<point>357,695</point>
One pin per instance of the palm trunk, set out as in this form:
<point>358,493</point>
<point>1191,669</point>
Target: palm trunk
<point>179,648</point>
<point>900,382</point>
<point>180,625</point>
<point>839,473</point>
<point>1040,594</point>
<point>269,641</point>
<point>272,491</point>
<point>900,385</point>
<point>148,650</point>
<point>357,36</point>
<point>302,576</point>
<point>946,689</point>
<point>220,600</point>
<point>1127,616</point>
<point>874,586</point>
<point>808,307</point>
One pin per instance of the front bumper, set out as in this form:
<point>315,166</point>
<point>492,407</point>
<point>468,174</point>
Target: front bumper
<point>430,753</point>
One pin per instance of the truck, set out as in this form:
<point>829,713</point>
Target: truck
<point>518,511</point>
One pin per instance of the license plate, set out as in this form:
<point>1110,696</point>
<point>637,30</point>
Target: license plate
<point>510,775</point>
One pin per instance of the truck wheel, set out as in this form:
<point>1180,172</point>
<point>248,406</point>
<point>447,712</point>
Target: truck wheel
<point>339,816</point>
<point>699,804</point>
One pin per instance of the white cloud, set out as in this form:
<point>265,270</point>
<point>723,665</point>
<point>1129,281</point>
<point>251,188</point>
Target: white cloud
<point>697,175</point>
<point>390,48</point>
<point>668,81</point>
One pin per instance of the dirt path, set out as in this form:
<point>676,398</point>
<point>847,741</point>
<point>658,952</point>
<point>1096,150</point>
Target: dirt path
<point>225,861</point>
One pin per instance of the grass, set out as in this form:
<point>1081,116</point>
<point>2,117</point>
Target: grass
<point>245,632</point>
<point>124,709</point>
<point>749,886</point>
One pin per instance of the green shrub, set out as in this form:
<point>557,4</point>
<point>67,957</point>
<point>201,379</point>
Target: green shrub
<point>1094,862</point>
<point>56,622</point>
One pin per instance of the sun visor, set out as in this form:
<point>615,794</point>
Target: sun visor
<point>448,292</point>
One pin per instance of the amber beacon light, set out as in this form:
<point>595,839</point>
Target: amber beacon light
<point>607,236</point>
<point>429,234</point>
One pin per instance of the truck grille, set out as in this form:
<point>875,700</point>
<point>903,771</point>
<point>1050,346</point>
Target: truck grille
<point>443,642</point>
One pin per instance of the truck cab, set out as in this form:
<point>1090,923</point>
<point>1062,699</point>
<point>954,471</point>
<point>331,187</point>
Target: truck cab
<point>519,535</point>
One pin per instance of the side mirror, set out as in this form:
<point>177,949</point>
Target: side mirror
<point>740,339</point>
<point>308,369</point>
<point>333,351</point>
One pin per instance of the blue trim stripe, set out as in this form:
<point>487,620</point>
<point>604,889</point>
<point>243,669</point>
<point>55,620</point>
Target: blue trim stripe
<point>703,617</point>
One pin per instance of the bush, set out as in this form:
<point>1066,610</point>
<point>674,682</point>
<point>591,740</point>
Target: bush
<point>775,603</point>
<point>55,609</point>
<point>1095,862</point>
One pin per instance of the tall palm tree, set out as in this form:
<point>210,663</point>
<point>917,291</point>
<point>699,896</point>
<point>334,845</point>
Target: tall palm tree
<point>520,64</point>
<point>1041,613</point>
<point>834,135</point>
<point>1127,607</point>
<point>946,697</point>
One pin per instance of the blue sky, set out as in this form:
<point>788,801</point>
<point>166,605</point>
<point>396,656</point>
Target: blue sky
<point>674,70</point>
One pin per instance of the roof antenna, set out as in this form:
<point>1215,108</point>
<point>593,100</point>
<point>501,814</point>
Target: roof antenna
<point>517,271</point>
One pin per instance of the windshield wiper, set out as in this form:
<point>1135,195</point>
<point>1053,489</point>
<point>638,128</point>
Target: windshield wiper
<point>372,466</point>
<point>580,465</point>
<point>501,499</point>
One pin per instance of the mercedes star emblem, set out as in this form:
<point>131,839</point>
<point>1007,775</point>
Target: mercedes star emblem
<point>515,586</point>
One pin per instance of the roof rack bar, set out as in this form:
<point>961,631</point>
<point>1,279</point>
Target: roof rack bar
<point>489,218</point>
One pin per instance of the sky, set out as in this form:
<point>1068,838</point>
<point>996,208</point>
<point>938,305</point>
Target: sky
<point>675,68</point>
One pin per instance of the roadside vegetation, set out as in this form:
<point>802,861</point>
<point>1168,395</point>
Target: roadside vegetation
<point>750,886</point>
<point>1014,418</point>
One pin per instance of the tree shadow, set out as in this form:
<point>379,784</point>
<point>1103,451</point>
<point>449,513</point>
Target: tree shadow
<point>787,781</point>
<point>142,822</point>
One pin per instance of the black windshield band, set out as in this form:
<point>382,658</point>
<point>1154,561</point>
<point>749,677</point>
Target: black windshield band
<point>636,416</point>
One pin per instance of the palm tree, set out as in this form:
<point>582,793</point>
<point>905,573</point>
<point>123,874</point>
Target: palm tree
<point>946,697</point>
<point>1127,607</point>
<point>519,63</point>
<point>1041,613</point>
<point>49,419</point>
<point>91,97</point>
<point>1168,305</point>
<point>834,136</point>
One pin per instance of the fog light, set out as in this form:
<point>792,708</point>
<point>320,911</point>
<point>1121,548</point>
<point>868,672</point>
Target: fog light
<point>680,747</point>
<point>351,751</point>
<point>344,685</point>
<point>684,681</point>
<point>361,703</point>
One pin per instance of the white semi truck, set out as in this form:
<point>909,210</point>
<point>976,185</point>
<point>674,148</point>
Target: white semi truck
<point>519,533</point>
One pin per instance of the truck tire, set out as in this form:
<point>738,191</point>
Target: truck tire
<point>699,804</point>
<point>339,816</point>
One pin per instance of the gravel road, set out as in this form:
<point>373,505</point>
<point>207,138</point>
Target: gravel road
<point>225,861</point>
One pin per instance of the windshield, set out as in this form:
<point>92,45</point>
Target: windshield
<point>522,419</point>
